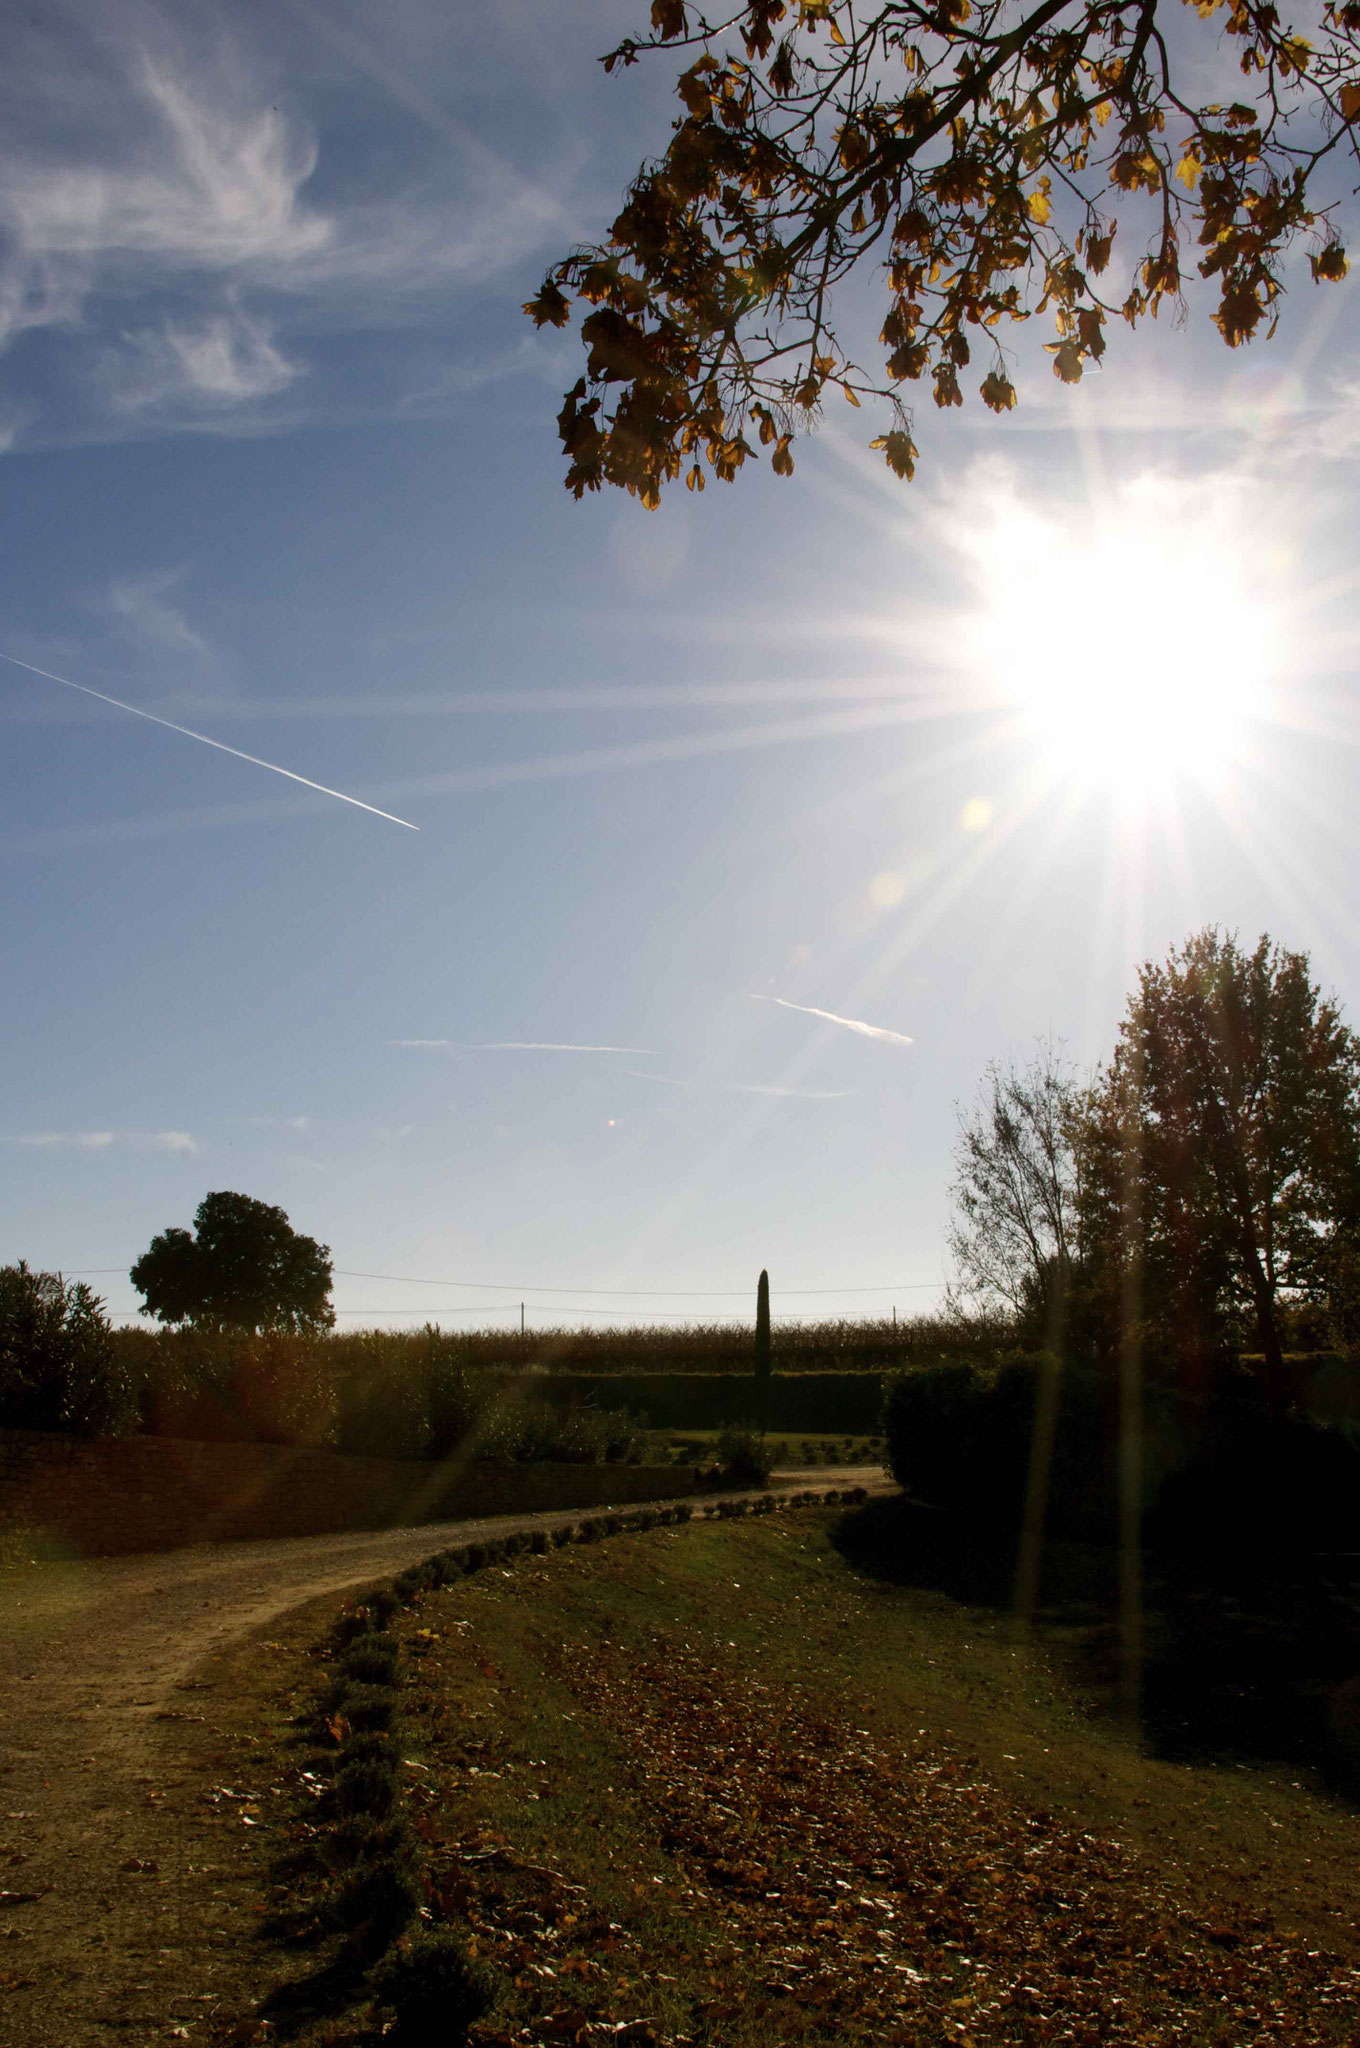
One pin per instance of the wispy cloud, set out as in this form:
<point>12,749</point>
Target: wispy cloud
<point>101,1141</point>
<point>188,733</point>
<point>517,1045</point>
<point>227,359</point>
<point>160,205</point>
<point>144,608</point>
<point>855,1024</point>
<point>769,1088</point>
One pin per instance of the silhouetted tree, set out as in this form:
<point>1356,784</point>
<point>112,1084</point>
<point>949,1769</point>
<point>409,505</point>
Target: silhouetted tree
<point>57,1364</point>
<point>245,1269</point>
<point>984,155</point>
<point>1014,1237</point>
<point>1222,1153</point>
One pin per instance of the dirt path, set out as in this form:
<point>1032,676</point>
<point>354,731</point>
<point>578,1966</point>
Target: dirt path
<point>122,1889</point>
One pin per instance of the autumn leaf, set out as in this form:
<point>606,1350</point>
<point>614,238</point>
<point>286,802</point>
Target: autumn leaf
<point>549,307</point>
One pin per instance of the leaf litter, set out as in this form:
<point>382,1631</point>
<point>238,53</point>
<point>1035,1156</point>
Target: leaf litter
<point>822,1884</point>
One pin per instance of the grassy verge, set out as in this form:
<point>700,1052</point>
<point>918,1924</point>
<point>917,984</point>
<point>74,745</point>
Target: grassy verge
<point>707,1783</point>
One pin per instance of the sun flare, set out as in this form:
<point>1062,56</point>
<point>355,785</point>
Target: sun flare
<point>1133,642</point>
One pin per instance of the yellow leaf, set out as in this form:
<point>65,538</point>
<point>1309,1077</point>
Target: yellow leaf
<point>1040,208</point>
<point>849,394</point>
<point>1188,170</point>
<point>836,35</point>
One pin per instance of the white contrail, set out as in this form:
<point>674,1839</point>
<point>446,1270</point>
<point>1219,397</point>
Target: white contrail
<point>848,1023</point>
<point>220,745</point>
<point>522,1045</point>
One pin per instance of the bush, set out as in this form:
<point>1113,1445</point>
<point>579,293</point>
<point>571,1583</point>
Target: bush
<point>744,1457</point>
<point>365,1785</point>
<point>372,1661</point>
<point>434,1990</point>
<point>380,1896</point>
<point>533,1430</point>
<point>370,1709</point>
<point>58,1369</point>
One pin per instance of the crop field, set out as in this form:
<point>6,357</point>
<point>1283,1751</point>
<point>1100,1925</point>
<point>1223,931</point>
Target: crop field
<point>710,1783</point>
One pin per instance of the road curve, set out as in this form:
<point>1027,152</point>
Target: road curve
<point>95,1661</point>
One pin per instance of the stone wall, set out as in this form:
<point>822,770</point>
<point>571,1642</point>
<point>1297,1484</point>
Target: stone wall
<point>102,1497</point>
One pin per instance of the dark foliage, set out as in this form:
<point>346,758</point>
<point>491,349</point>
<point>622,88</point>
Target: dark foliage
<point>58,1366</point>
<point>243,1267</point>
<point>434,1990</point>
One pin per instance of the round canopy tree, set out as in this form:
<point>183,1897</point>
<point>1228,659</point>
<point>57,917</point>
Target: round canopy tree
<point>243,1267</point>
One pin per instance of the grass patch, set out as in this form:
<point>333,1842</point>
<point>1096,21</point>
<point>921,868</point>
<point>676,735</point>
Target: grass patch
<point>709,1784</point>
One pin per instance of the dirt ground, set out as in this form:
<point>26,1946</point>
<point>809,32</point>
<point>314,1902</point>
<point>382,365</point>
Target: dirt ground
<point>132,1856</point>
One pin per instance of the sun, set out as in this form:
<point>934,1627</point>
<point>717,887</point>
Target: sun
<point>1132,641</point>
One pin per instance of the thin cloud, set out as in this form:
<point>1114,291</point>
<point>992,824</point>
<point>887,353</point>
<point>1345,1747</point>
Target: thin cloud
<point>770,1088</point>
<point>143,606</point>
<point>221,745</point>
<point>229,359</point>
<point>101,1141</point>
<point>855,1024</point>
<point>517,1045</point>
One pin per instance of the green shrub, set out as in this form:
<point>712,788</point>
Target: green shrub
<point>434,1990</point>
<point>379,1895</point>
<point>370,1709</point>
<point>744,1457</point>
<point>372,1661</point>
<point>366,1837</point>
<point>365,1785</point>
<point>58,1368</point>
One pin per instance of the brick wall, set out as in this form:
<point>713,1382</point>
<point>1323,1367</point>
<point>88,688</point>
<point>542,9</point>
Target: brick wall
<point>72,1496</point>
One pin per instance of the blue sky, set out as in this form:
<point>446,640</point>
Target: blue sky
<point>948,760</point>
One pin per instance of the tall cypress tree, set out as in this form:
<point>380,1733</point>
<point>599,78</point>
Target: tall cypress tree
<point>763,1360</point>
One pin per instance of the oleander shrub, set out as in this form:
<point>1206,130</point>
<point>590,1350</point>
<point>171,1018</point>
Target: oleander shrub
<point>58,1368</point>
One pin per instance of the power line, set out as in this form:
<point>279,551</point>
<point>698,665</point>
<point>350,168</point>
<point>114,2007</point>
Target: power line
<point>518,1288</point>
<point>657,1293</point>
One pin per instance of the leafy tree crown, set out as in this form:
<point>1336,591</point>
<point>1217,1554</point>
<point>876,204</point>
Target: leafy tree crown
<point>983,152</point>
<point>243,1268</point>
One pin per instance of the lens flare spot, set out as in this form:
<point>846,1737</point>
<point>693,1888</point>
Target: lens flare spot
<point>976,814</point>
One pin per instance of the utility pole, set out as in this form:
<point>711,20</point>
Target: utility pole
<point>521,1322</point>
